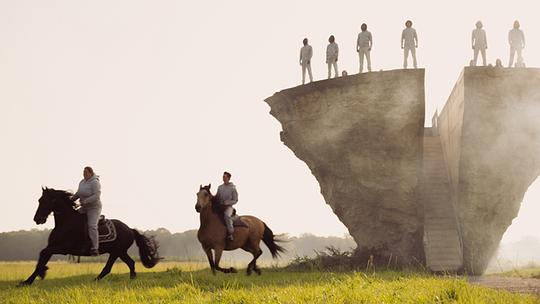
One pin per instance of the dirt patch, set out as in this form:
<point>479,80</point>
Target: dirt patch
<point>512,284</point>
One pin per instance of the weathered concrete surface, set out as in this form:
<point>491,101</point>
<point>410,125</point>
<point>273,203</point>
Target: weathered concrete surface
<point>361,136</point>
<point>492,149</point>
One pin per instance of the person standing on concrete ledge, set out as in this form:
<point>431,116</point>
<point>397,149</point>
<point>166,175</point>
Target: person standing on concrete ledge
<point>409,43</point>
<point>363,47</point>
<point>332,52</point>
<point>516,38</point>
<point>479,43</point>
<point>306,52</point>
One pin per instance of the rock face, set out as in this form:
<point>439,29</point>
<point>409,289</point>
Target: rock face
<point>490,133</point>
<point>361,137</point>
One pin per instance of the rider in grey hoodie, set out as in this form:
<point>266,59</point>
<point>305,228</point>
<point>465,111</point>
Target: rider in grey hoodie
<point>89,193</point>
<point>227,197</point>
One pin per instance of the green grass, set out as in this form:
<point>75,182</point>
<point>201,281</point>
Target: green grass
<point>174,282</point>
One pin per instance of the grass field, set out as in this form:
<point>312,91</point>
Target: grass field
<point>174,282</point>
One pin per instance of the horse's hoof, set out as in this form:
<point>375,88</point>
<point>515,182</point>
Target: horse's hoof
<point>248,272</point>
<point>133,276</point>
<point>233,270</point>
<point>257,271</point>
<point>42,272</point>
<point>23,284</point>
<point>213,271</point>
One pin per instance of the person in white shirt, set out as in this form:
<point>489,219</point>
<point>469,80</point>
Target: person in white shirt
<point>409,43</point>
<point>363,47</point>
<point>306,52</point>
<point>516,38</point>
<point>479,43</point>
<point>332,52</point>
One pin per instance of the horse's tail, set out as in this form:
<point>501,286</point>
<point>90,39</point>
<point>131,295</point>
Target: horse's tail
<point>147,249</point>
<point>270,242</point>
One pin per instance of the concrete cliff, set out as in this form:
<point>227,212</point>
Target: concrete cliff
<point>361,137</point>
<point>490,133</point>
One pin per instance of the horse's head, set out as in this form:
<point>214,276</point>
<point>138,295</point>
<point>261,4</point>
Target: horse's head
<point>204,198</point>
<point>51,201</point>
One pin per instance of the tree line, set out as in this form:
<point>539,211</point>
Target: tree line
<point>183,246</point>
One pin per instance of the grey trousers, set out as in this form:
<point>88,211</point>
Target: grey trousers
<point>406,51</point>
<point>92,215</point>
<point>364,52</point>
<point>306,66</point>
<point>482,52</point>
<point>513,51</point>
<point>334,64</point>
<point>227,213</point>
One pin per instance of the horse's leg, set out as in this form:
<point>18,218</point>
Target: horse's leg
<point>131,264</point>
<point>210,257</point>
<point>41,268</point>
<point>219,252</point>
<point>255,257</point>
<point>256,252</point>
<point>112,257</point>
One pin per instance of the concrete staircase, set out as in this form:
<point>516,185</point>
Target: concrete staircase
<point>442,241</point>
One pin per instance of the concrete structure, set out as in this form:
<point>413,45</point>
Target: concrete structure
<point>361,137</point>
<point>440,196</point>
<point>490,133</point>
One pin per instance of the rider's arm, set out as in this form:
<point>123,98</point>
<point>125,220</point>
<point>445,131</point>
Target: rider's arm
<point>76,196</point>
<point>234,198</point>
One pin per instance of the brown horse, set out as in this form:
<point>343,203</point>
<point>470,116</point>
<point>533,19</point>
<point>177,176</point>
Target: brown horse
<point>213,233</point>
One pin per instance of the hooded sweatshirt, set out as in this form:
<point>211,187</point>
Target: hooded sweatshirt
<point>89,193</point>
<point>227,194</point>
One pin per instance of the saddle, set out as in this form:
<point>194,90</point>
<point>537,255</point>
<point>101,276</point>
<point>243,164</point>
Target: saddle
<point>237,221</point>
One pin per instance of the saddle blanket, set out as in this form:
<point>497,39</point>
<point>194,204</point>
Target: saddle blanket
<point>107,230</point>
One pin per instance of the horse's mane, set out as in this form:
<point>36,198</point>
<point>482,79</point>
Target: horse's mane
<point>216,206</point>
<point>62,194</point>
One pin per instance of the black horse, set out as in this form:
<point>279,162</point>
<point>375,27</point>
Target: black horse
<point>69,237</point>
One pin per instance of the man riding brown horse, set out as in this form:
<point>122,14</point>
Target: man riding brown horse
<point>212,233</point>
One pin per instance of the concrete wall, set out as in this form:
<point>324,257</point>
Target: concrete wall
<point>497,148</point>
<point>450,122</point>
<point>361,137</point>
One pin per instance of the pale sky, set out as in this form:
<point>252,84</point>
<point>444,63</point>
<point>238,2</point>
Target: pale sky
<point>161,96</point>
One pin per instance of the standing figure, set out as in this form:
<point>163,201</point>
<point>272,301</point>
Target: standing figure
<point>332,52</point>
<point>227,197</point>
<point>479,43</point>
<point>516,38</point>
<point>306,52</point>
<point>363,47</point>
<point>409,43</point>
<point>89,193</point>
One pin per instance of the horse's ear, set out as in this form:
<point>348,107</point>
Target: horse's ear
<point>200,187</point>
<point>209,186</point>
<point>42,189</point>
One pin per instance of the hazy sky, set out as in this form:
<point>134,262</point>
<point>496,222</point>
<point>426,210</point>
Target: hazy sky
<point>161,96</point>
